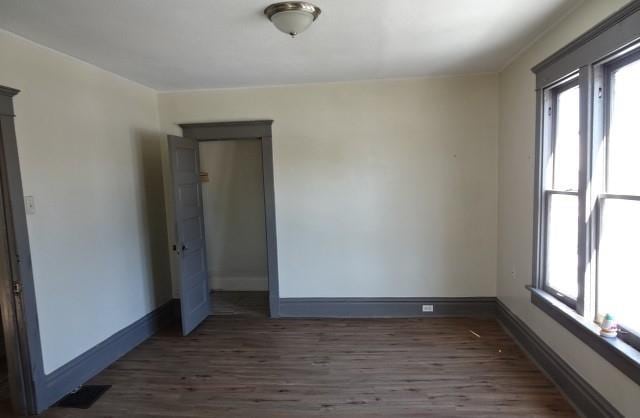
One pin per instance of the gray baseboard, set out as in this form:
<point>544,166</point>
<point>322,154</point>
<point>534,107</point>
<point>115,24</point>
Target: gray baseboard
<point>82,368</point>
<point>581,394</point>
<point>385,307</point>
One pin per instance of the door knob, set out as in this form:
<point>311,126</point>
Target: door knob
<point>182,248</point>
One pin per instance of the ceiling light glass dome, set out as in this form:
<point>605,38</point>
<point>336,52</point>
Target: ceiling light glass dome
<point>292,17</point>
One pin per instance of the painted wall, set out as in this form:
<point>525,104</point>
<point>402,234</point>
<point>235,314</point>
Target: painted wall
<point>382,188</point>
<point>89,150</point>
<point>233,202</point>
<point>517,136</point>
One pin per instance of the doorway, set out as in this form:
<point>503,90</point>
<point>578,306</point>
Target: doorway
<point>214,216</point>
<point>234,223</point>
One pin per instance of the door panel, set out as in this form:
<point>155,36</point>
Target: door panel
<point>190,243</point>
<point>192,230</point>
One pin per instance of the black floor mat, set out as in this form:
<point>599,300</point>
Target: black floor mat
<point>84,397</point>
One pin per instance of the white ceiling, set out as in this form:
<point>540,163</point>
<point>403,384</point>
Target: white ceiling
<point>192,44</point>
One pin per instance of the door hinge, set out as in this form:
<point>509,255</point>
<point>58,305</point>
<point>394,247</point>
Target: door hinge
<point>17,288</point>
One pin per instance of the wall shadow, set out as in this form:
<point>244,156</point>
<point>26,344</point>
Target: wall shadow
<point>147,148</point>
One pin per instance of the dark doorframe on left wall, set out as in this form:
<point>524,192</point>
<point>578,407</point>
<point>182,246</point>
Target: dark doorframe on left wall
<point>17,292</point>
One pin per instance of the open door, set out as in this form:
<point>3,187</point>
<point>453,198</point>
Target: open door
<point>190,245</point>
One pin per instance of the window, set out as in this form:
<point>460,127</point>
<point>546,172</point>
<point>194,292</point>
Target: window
<point>618,275</point>
<point>615,214</point>
<point>587,208</point>
<point>561,193</point>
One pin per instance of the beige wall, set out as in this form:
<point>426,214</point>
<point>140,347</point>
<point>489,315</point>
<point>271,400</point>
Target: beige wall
<point>384,188</point>
<point>233,202</point>
<point>90,155</point>
<point>517,137</point>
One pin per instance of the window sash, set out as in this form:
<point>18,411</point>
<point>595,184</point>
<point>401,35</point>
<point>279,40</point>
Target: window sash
<point>567,300</point>
<point>627,334</point>
<point>592,136</point>
<point>603,109</point>
<point>608,69</point>
<point>554,107</point>
<point>549,99</point>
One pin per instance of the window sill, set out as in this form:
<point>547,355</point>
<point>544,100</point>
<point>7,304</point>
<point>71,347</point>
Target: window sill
<point>620,354</point>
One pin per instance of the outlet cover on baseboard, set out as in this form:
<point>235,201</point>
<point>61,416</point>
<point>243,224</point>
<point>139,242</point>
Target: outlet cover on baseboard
<point>427,308</point>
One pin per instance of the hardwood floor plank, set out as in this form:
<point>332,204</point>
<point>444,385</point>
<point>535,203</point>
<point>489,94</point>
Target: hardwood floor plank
<point>238,363</point>
<point>250,366</point>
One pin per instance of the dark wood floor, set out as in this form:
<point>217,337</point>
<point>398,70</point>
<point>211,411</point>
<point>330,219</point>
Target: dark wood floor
<point>252,304</point>
<point>249,366</point>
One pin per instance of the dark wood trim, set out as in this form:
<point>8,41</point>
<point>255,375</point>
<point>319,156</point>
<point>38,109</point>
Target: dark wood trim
<point>539,219</point>
<point>8,91</point>
<point>20,318</point>
<point>218,131</point>
<point>63,380</point>
<point>256,129</point>
<point>583,301</point>
<point>11,350</point>
<point>6,100</point>
<point>270,223</point>
<point>591,34</point>
<point>234,123</point>
<point>385,307</point>
<point>580,393</point>
<point>615,33</point>
<point>620,354</point>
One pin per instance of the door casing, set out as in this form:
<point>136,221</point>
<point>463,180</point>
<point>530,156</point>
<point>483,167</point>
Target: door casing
<point>17,292</point>
<point>255,129</point>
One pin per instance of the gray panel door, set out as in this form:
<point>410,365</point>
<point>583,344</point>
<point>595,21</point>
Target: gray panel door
<point>190,239</point>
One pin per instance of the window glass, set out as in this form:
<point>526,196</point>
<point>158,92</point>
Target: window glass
<point>566,151</point>
<point>619,262</point>
<point>562,245</point>
<point>623,150</point>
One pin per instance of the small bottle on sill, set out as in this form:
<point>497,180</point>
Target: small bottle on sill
<point>609,328</point>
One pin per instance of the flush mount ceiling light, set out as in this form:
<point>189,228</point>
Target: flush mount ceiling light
<point>292,17</point>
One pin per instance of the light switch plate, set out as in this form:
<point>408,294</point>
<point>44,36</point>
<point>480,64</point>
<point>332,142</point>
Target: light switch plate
<point>29,205</point>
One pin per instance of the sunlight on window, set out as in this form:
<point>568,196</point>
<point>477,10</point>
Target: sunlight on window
<point>567,141</point>
<point>562,267</point>
<point>624,131</point>
<point>619,269</point>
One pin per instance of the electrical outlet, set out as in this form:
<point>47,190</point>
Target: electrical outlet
<point>427,308</point>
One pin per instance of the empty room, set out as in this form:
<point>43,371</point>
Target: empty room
<point>334,208</point>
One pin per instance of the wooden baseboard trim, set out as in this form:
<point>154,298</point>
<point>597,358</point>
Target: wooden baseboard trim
<point>75,373</point>
<point>385,307</point>
<point>588,401</point>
